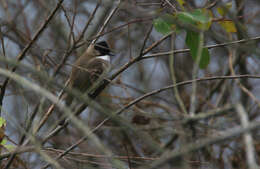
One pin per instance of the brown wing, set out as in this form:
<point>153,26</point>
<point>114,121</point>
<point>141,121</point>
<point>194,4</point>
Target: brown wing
<point>84,75</point>
<point>96,67</point>
<point>80,80</point>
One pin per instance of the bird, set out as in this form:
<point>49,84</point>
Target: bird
<point>89,67</point>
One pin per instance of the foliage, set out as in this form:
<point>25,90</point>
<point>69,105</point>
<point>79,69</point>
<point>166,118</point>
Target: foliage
<point>201,19</point>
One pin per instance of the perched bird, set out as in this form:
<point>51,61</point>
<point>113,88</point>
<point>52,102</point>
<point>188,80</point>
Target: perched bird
<point>88,68</point>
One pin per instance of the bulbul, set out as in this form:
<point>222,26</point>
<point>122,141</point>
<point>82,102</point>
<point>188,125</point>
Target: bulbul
<point>88,68</point>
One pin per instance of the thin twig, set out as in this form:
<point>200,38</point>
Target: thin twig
<point>181,84</point>
<point>208,114</point>
<point>100,156</point>
<point>107,21</point>
<point>139,99</point>
<point>13,155</point>
<point>195,70</point>
<point>84,30</point>
<point>59,128</point>
<point>18,150</point>
<point>173,77</point>
<point>248,139</point>
<point>51,108</point>
<point>69,51</point>
<point>29,45</point>
<point>33,139</point>
<point>21,56</point>
<point>173,7</point>
<point>175,155</point>
<point>71,34</point>
<point>77,122</point>
<point>207,46</point>
<point>121,26</point>
<point>242,87</point>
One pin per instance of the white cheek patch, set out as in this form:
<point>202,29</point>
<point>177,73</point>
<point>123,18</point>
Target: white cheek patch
<point>104,57</point>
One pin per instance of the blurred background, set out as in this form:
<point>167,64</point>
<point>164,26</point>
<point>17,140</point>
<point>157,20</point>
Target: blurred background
<point>154,125</point>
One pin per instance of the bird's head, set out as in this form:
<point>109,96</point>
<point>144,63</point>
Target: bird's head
<point>103,48</point>
<point>99,49</point>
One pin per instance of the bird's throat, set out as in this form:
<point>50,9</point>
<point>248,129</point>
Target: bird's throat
<point>105,57</point>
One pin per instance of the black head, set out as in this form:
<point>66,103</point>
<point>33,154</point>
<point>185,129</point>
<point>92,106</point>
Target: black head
<point>103,48</point>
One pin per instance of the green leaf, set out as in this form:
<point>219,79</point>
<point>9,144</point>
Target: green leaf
<point>186,17</point>
<point>3,142</point>
<point>205,58</point>
<point>223,10</point>
<point>200,18</point>
<point>181,3</point>
<point>2,122</point>
<point>203,18</point>
<point>10,147</point>
<point>192,41</point>
<point>7,146</point>
<point>162,26</point>
<point>229,26</point>
<point>165,24</point>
